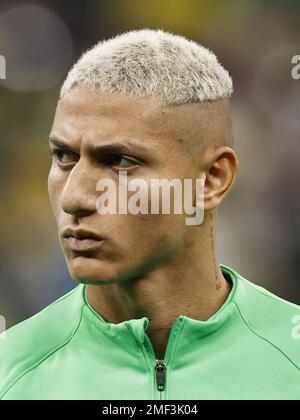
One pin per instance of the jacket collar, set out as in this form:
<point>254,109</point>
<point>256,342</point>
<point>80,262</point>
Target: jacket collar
<point>188,326</point>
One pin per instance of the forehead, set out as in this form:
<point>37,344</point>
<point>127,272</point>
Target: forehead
<point>83,113</point>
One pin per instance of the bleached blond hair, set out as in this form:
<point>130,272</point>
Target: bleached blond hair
<point>151,63</point>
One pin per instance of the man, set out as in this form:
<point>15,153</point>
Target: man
<point>155,316</point>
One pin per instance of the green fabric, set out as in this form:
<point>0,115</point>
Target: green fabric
<point>68,351</point>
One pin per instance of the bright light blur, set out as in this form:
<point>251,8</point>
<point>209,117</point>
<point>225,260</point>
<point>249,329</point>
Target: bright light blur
<point>37,45</point>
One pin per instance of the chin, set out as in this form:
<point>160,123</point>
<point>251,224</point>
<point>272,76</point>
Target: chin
<point>91,270</point>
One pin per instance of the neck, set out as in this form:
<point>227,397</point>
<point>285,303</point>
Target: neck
<point>192,284</point>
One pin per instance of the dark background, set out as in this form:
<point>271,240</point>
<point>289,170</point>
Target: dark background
<point>259,223</point>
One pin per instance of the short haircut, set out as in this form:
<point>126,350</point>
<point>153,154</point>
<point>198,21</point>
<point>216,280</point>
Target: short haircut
<point>151,63</point>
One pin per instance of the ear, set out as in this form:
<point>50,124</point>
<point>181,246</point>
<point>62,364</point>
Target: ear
<point>221,170</point>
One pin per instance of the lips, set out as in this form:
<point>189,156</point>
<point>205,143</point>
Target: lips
<point>81,240</point>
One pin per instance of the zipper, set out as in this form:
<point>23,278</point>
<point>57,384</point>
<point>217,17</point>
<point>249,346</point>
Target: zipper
<point>160,371</point>
<point>160,365</point>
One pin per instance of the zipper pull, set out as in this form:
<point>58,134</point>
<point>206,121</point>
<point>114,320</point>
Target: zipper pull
<point>160,374</point>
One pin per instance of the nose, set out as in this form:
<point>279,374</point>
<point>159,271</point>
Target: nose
<point>79,193</point>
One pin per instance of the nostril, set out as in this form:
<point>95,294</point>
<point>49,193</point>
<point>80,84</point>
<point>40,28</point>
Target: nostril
<point>78,212</point>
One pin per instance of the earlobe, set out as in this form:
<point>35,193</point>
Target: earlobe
<point>220,177</point>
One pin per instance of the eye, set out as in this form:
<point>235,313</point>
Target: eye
<point>120,161</point>
<point>64,158</point>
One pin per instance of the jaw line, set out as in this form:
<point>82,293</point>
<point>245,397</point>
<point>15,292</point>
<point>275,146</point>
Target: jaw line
<point>159,258</point>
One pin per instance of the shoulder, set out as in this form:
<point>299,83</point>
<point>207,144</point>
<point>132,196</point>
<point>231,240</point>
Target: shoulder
<point>269,317</point>
<point>29,343</point>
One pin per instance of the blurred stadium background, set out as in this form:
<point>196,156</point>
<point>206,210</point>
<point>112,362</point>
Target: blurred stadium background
<point>259,224</point>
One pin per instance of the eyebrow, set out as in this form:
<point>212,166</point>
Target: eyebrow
<point>126,146</point>
<point>58,142</point>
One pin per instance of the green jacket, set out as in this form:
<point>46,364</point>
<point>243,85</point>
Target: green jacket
<point>249,349</point>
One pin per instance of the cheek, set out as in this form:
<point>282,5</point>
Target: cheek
<point>55,187</point>
<point>142,233</point>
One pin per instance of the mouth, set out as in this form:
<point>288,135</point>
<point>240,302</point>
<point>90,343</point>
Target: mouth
<point>81,240</point>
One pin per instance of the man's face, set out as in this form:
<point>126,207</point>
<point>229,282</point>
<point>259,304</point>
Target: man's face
<point>93,137</point>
